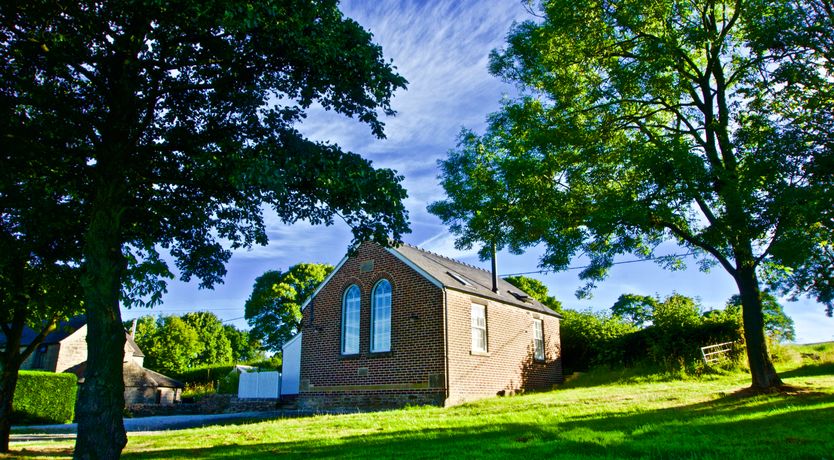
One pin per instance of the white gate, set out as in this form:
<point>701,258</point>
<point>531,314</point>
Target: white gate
<point>264,385</point>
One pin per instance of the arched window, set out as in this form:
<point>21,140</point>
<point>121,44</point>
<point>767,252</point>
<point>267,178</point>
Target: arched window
<point>350,321</point>
<point>381,317</point>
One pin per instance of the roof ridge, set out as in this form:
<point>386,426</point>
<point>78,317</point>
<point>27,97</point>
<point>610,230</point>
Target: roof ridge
<point>446,257</point>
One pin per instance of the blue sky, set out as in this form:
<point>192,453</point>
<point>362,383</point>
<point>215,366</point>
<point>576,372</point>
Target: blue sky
<point>442,48</point>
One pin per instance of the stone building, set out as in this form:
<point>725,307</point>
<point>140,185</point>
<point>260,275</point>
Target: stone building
<point>65,350</point>
<point>391,327</point>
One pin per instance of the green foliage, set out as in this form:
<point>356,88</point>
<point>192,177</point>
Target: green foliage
<point>671,343</point>
<point>197,391</point>
<point>644,122</point>
<point>272,363</point>
<point>244,347</point>
<point>203,374</point>
<point>165,129</point>
<point>274,307</point>
<point>778,325</point>
<point>636,309</point>
<point>537,290</point>
<point>215,345</point>
<point>592,338</point>
<point>173,347</point>
<point>229,384</point>
<point>173,344</point>
<point>44,397</point>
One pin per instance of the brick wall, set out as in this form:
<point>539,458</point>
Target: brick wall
<point>414,372</point>
<point>508,366</point>
<point>414,366</point>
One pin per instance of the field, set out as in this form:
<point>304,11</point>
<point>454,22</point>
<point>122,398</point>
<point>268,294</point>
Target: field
<point>603,415</point>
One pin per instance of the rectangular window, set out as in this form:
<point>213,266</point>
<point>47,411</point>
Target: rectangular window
<point>538,340</point>
<point>479,328</point>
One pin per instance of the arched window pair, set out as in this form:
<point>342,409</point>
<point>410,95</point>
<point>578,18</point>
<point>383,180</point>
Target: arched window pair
<point>380,318</point>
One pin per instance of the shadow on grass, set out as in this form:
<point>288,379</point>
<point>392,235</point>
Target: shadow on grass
<point>733,426</point>
<point>810,370</point>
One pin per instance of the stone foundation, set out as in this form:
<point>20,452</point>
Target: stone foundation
<point>369,400</point>
<point>213,404</point>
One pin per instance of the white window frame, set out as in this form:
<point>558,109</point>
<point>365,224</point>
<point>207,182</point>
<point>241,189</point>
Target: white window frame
<point>378,304</point>
<point>479,328</point>
<point>356,302</point>
<point>538,340</point>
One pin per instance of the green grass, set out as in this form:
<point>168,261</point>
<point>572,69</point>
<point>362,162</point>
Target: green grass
<point>712,416</point>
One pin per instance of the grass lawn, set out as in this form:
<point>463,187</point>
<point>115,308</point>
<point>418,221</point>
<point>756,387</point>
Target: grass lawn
<point>631,417</point>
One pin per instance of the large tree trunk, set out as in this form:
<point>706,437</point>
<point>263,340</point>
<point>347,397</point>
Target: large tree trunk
<point>761,367</point>
<point>101,432</point>
<point>8,383</point>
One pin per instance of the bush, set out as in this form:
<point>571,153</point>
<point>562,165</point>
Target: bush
<point>44,397</point>
<point>229,384</point>
<point>203,374</point>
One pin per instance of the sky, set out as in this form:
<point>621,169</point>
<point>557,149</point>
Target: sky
<point>442,48</point>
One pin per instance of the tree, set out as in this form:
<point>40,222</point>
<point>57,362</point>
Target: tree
<point>636,309</point>
<point>170,128</point>
<point>274,307</point>
<point>777,324</point>
<point>174,347</point>
<point>640,123</point>
<point>800,91</point>
<point>216,347</point>
<point>537,290</point>
<point>244,347</point>
<point>39,256</point>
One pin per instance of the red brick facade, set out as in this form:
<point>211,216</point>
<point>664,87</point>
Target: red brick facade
<point>416,370</point>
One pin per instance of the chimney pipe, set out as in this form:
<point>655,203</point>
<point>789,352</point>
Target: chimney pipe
<point>494,271</point>
<point>133,330</point>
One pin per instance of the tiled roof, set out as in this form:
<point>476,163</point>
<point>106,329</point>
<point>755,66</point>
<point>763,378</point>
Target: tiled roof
<point>456,275</point>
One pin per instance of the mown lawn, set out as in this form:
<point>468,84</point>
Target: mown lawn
<point>711,417</point>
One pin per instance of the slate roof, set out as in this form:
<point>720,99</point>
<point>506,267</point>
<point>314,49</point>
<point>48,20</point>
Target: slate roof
<point>134,376</point>
<point>456,275</point>
<point>61,332</point>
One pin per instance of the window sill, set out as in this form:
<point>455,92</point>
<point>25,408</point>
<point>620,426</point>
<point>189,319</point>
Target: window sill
<point>380,354</point>
<point>351,356</point>
<point>479,353</point>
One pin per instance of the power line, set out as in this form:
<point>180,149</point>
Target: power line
<point>614,263</point>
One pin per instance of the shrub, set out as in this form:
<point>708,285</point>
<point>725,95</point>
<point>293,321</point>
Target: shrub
<point>203,374</point>
<point>229,384</point>
<point>44,397</point>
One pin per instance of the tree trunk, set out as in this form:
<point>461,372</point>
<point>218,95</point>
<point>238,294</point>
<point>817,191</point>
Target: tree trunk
<point>761,367</point>
<point>8,383</point>
<point>101,432</point>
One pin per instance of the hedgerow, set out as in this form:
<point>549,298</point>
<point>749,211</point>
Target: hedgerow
<point>44,397</point>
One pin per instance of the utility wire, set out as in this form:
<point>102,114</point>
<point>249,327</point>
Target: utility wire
<point>586,266</point>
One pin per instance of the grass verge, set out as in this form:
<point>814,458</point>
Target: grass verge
<point>704,418</point>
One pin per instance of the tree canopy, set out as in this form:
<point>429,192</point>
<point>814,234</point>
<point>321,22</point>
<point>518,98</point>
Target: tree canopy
<point>170,128</point>
<point>536,289</point>
<point>173,344</point>
<point>274,307</point>
<point>639,123</point>
<point>39,262</point>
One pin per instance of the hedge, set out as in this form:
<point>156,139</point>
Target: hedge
<point>203,374</point>
<point>44,397</point>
